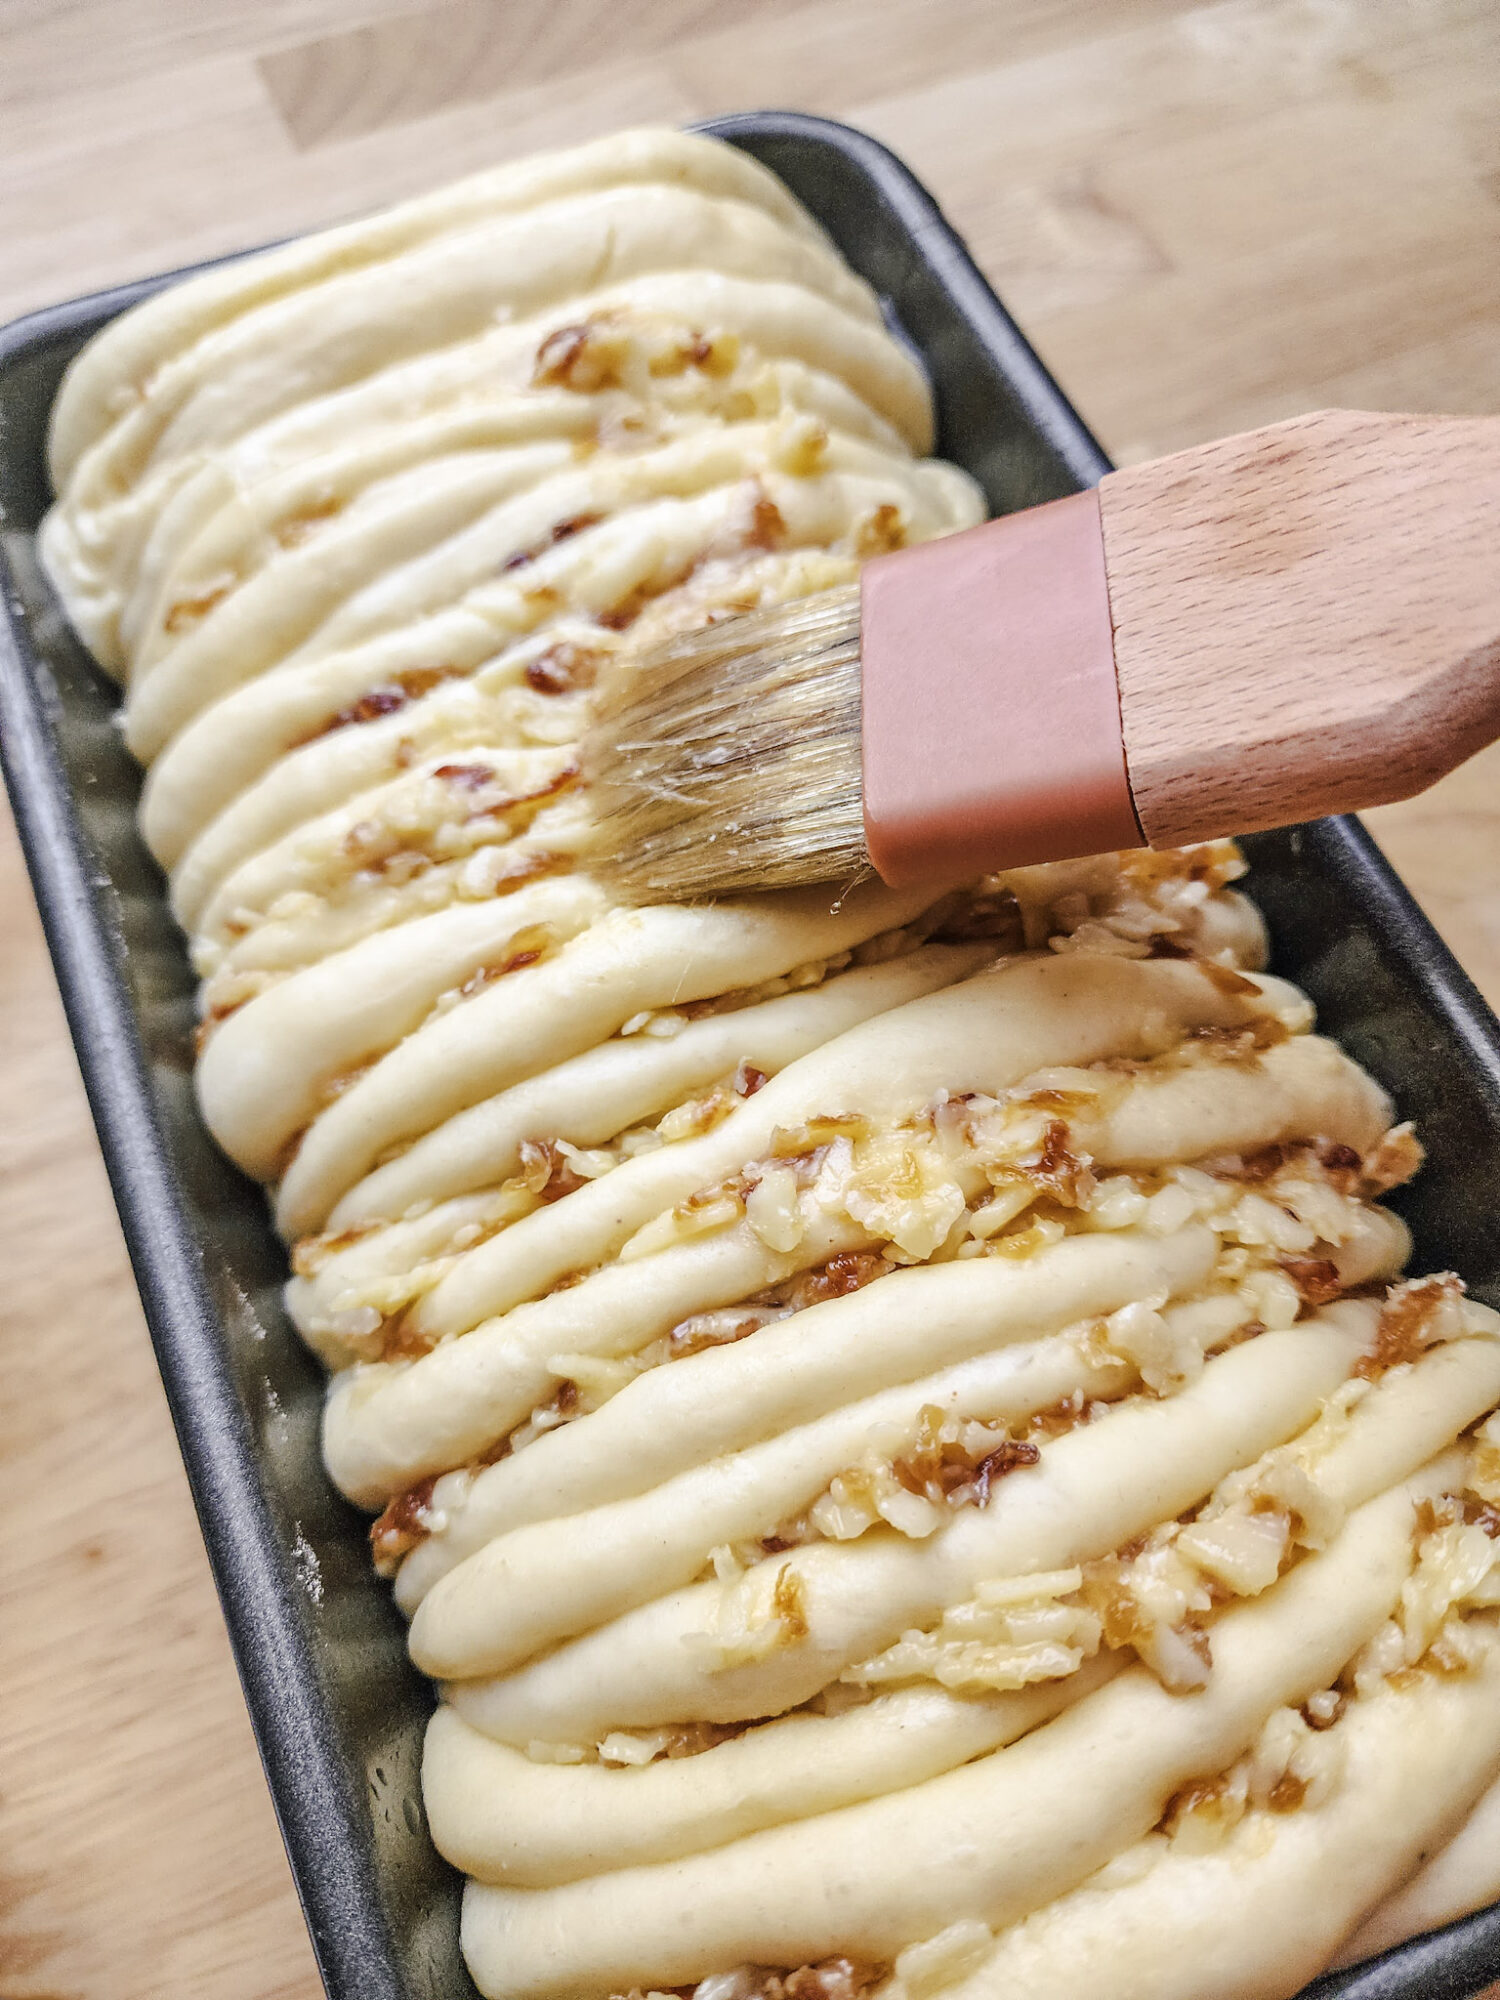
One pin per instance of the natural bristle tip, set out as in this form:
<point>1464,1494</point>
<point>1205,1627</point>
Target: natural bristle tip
<point>728,759</point>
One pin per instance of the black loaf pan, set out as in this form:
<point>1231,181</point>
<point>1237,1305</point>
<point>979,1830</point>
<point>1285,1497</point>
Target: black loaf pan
<point>337,1708</point>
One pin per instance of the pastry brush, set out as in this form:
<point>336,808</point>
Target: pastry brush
<point>1299,620</point>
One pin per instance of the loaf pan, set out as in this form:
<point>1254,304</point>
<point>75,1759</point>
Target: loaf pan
<point>337,1709</point>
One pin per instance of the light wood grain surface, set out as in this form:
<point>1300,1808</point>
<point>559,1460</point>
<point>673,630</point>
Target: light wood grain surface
<point>1362,674</point>
<point>1206,216</point>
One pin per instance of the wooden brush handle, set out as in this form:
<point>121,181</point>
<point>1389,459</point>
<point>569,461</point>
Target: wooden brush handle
<point>1306,618</point>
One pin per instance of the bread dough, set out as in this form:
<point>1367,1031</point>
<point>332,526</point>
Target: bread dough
<point>897,1426</point>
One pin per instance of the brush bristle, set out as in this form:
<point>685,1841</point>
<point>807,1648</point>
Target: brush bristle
<point>729,759</point>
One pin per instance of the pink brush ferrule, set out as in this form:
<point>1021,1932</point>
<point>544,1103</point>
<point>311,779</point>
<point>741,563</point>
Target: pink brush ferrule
<point>991,711</point>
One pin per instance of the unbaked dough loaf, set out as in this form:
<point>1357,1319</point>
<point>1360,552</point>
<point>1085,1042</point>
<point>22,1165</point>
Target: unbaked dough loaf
<point>898,1426</point>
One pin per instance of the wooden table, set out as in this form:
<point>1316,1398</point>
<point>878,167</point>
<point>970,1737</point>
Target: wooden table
<point>1206,216</point>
